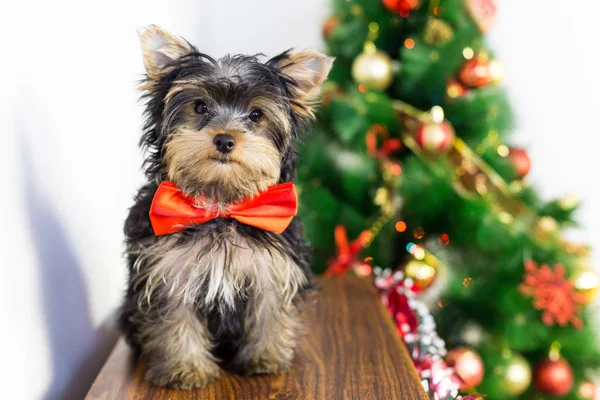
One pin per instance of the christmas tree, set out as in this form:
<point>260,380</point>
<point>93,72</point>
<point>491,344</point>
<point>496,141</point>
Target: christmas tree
<point>410,167</point>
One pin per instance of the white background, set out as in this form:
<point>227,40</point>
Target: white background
<point>70,164</point>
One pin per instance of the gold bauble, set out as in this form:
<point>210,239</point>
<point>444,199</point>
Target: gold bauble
<point>569,202</point>
<point>546,227</point>
<point>587,284</point>
<point>373,69</point>
<point>422,274</point>
<point>517,375</point>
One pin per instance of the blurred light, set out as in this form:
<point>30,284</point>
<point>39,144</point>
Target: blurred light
<point>400,226</point>
<point>409,43</point>
<point>444,239</point>
<point>467,281</point>
<point>505,217</point>
<point>356,10</point>
<point>369,260</point>
<point>587,390</point>
<point>441,303</point>
<point>370,47</point>
<point>409,246</point>
<point>516,371</point>
<point>436,11</point>
<point>569,202</point>
<point>395,169</point>
<point>419,253</point>
<point>503,151</point>
<point>362,88</point>
<point>374,27</point>
<point>437,114</point>
<point>587,280</point>
<point>363,270</point>
<point>419,233</point>
<point>468,53</point>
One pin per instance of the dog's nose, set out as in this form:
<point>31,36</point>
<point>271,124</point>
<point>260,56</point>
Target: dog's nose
<point>224,143</point>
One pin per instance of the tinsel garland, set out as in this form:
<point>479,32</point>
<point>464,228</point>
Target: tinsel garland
<point>417,328</point>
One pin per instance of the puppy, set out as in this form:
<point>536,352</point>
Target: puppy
<point>218,265</point>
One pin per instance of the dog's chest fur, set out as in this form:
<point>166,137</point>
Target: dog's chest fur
<point>217,270</point>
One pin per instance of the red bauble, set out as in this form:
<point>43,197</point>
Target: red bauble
<point>435,138</point>
<point>553,378</point>
<point>521,161</point>
<point>467,365</point>
<point>481,71</point>
<point>330,24</point>
<point>402,7</point>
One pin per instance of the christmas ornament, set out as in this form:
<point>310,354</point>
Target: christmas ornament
<point>481,71</point>
<point>455,90</point>
<point>379,144</point>
<point>520,160</point>
<point>347,253</point>
<point>483,13</point>
<point>329,25</point>
<point>546,227</point>
<point>435,138</point>
<point>553,378</point>
<point>374,69</point>
<point>422,274</point>
<point>467,365</point>
<point>517,375</point>
<point>509,376</point>
<point>437,32</point>
<point>552,294</point>
<point>587,284</point>
<point>402,7</point>
<point>569,203</point>
<point>417,328</point>
<point>587,390</point>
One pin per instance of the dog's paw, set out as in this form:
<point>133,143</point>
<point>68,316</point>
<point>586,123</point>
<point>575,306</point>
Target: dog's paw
<point>266,366</point>
<point>184,377</point>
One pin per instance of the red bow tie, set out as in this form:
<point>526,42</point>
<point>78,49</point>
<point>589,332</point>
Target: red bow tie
<point>272,210</point>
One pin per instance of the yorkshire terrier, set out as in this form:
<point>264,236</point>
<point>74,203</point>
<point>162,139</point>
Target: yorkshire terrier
<point>218,266</point>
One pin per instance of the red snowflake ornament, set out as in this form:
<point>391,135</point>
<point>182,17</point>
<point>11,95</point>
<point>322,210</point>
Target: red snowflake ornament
<point>348,253</point>
<point>552,293</point>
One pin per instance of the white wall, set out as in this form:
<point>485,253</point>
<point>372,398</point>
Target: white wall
<point>553,75</point>
<point>70,125</point>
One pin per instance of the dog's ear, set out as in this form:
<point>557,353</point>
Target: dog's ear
<point>160,49</point>
<point>308,69</point>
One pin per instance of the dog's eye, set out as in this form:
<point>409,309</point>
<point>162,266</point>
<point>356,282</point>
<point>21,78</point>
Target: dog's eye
<point>201,107</point>
<point>255,115</point>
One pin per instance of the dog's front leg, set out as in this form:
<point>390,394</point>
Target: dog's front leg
<point>271,335</point>
<point>176,345</point>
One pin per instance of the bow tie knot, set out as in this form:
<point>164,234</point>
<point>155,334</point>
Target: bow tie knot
<point>271,210</point>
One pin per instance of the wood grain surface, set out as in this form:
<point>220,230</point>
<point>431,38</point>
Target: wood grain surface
<point>352,351</point>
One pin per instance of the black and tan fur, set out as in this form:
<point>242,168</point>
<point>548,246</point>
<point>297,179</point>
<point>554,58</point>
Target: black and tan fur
<point>222,294</point>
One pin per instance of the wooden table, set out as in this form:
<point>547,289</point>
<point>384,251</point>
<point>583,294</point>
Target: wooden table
<point>352,351</point>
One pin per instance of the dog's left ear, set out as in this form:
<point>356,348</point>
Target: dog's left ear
<point>160,49</point>
<point>308,69</point>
